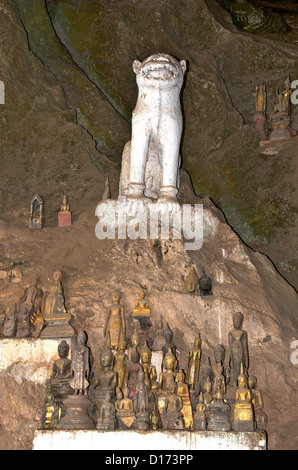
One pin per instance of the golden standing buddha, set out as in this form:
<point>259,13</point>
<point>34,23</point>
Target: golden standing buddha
<point>115,327</point>
<point>183,392</point>
<point>193,366</point>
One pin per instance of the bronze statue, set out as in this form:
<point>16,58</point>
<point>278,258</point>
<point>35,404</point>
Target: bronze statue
<point>132,371</point>
<point>169,344</point>
<point>115,327</point>
<point>205,284</point>
<point>261,99</point>
<point>160,340</point>
<point>193,365</point>
<point>105,379</point>
<point>80,365</point>
<point>238,347</point>
<point>141,403</point>
<point>243,408</point>
<point>146,355</point>
<point>106,415</point>
<point>23,329</point>
<point>172,417</point>
<point>199,417</point>
<point>61,373</point>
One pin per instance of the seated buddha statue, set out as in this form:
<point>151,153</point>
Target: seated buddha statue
<point>243,409</point>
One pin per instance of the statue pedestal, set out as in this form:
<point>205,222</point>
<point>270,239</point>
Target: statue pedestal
<point>64,219</point>
<point>76,416</point>
<point>153,440</point>
<point>57,326</point>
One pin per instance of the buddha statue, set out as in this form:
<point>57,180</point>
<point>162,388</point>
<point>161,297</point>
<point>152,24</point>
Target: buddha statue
<point>183,392</point>
<point>191,282</point>
<point>23,329</point>
<point>141,403</point>
<point>169,344</point>
<point>159,340</point>
<point>218,412</point>
<point>132,371</point>
<point>205,284</point>
<point>120,362</point>
<point>50,413</point>
<point>106,415</point>
<point>115,326</point>
<point>219,379</point>
<point>10,323</point>
<point>257,401</point>
<point>142,305</point>
<point>125,409</point>
<point>172,417</point>
<point>61,373</point>
<point>148,368</point>
<point>168,376</point>
<point>199,417</point>
<point>243,408</point>
<point>54,312</point>
<point>238,348</point>
<point>105,379</point>
<point>261,99</point>
<point>207,391</point>
<point>134,343</point>
<point>80,365</point>
<point>64,206</point>
<point>193,365</point>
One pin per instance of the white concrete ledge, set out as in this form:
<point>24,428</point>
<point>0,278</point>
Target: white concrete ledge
<point>151,440</point>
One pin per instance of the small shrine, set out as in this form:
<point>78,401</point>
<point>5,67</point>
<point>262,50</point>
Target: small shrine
<point>36,216</point>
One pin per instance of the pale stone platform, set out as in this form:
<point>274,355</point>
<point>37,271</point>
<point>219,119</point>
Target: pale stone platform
<point>151,440</point>
<point>29,358</point>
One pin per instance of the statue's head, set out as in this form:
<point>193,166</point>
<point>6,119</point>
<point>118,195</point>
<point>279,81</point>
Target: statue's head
<point>106,358</point>
<point>116,296</point>
<point>57,276</point>
<point>180,377</point>
<point>238,320</point>
<point>82,337</point>
<point>160,70</point>
<point>169,362</point>
<point>63,349</point>
<point>122,344</point>
<point>145,353</point>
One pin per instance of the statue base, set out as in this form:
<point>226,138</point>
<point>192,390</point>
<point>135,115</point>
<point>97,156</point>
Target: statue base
<point>280,133</point>
<point>219,417</point>
<point>76,416</point>
<point>64,219</point>
<point>57,326</point>
<point>154,440</point>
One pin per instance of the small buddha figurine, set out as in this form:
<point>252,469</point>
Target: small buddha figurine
<point>238,348</point>
<point>146,355</point>
<point>172,416</point>
<point>219,379</point>
<point>61,373</point>
<point>287,94</point>
<point>207,392</point>
<point>168,376</point>
<point>199,417</point>
<point>23,321</point>
<point>169,344</point>
<point>80,365</point>
<point>257,401</point>
<point>243,408</point>
<point>132,371</point>
<point>53,297</point>
<point>106,415</point>
<point>125,409</point>
<point>261,99</point>
<point>120,362</point>
<point>135,343</point>
<point>191,282</point>
<point>218,412</point>
<point>183,392</point>
<point>141,403</point>
<point>193,365</point>
<point>142,311</point>
<point>50,413</point>
<point>160,340</point>
<point>105,379</point>
<point>142,305</point>
<point>205,284</point>
<point>64,216</point>
<point>115,326</point>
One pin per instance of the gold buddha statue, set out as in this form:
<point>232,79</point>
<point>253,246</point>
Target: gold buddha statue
<point>120,362</point>
<point>115,326</point>
<point>64,206</point>
<point>183,392</point>
<point>148,368</point>
<point>193,366</point>
<point>142,306</point>
<point>124,409</point>
<point>243,409</point>
<point>191,282</point>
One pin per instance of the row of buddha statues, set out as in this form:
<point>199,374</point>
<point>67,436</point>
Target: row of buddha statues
<point>283,122</point>
<point>41,313</point>
<point>127,391</point>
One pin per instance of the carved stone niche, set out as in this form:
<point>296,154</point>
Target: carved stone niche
<point>36,216</point>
